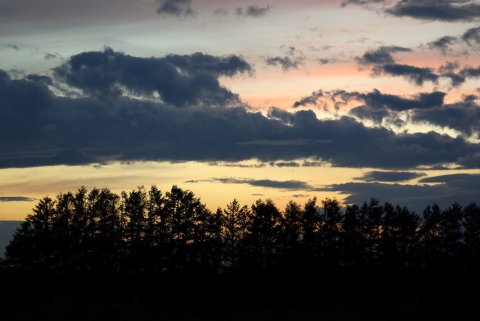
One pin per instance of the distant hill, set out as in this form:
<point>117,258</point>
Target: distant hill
<point>7,228</point>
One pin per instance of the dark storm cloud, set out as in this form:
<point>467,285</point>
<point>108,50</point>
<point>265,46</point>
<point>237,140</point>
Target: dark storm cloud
<point>177,8</point>
<point>252,11</point>
<point>16,199</point>
<point>178,79</point>
<point>382,176</point>
<point>284,185</point>
<point>462,116</point>
<point>444,10</point>
<point>462,188</point>
<point>45,129</point>
<point>443,44</point>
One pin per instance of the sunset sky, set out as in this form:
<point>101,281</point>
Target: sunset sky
<point>277,99</point>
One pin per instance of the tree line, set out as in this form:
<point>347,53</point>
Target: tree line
<point>173,233</point>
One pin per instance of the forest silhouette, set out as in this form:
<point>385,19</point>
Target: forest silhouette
<point>149,254</point>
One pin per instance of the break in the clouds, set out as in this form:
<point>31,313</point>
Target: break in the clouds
<point>177,8</point>
<point>284,185</point>
<point>15,199</point>
<point>390,176</point>
<point>444,190</point>
<point>179,80</point>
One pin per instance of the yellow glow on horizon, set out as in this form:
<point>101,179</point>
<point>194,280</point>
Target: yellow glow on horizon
<point>49,181</point>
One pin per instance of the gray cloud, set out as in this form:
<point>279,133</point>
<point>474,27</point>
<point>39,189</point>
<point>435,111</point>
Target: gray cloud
<point>285,185</point>
<point>442,44</point>
<point>177,8</point>
<point>291,60</point>
<point>309,100</point>
<point>462,116</point>
<point>252,11</point>
<point>418,75</point>
<point>98,128</point>
<point>16,199</point>
<point>444,10</point>
<point>285,62</point>
<point>383,63</point>
<point>178,79</point>
<point>381,56</point>
<point>382,176</point>
<point>360,2</point>
<point>10,46</point>
<point>462,188</point>
<point>472,36</point>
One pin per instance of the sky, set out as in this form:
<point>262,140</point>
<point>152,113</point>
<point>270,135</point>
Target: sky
<point>279,99</point>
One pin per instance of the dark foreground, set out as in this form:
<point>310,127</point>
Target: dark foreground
<point>145,255</point>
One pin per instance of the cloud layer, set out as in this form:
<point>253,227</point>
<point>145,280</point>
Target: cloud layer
<point>192,119</point>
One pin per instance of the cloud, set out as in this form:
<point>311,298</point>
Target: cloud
<point>378,106</point>
<point>418,75</point>
<point>10,46</point>
<point>309,100</point>
<point>472,36</point>
<point>381,55</point>
<point>382,176</point>
<point>284,185</point>
<point>442,44</point>
<point>177,8</point>
<point>252,11</point>
<point>292,59</point>
<point>462,116</point>
<point>285,62</point>
<point>378,100</point>
<point>179,80</point>
<point>444,10</point>
<point>383,63</point>
<point>16,199</point>
<point>462,188</point>
<point>360,2</point>
<point>49,129</point>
